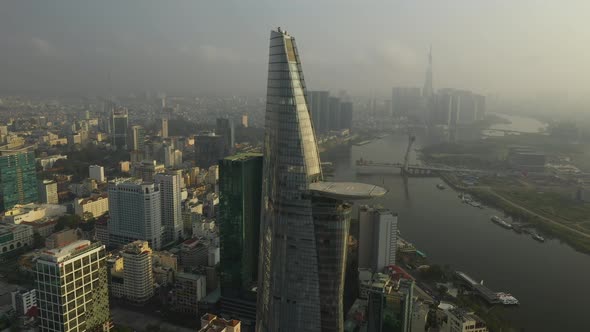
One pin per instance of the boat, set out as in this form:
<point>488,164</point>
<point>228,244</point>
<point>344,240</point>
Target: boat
<point>507,299</point>
<point>538,237</point>
<point>475,204</point>
<point>441,186</point>
<point>363,143</point>
<point>466,198</point>
<point>501,222</point>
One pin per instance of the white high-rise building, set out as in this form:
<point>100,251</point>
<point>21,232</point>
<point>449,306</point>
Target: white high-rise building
<point>170,190</point>
<point>96,172</point>
<point>137,272</point>
<point>48,192</point>
<point>377,238</point>
<point>135,212</point>
<point>80,302</point>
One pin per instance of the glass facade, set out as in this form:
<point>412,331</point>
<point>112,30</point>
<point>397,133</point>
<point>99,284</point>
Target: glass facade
<point>288,288</point>
<point>18,180</point>
<point>240,186</point>
<point>72,293</point>
<point>303,229</point>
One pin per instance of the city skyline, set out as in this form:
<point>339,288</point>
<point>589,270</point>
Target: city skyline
<point>124,53</point>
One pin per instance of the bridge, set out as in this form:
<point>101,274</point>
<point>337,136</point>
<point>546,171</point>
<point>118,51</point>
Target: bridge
<point>369,167</point>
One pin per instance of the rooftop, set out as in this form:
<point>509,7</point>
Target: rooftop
<point>243,156</point>
<point>347,190</point>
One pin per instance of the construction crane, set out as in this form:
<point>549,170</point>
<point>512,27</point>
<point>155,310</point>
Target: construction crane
<point>411,139</point>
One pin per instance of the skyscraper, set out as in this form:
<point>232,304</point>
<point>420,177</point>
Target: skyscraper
<point>225,128</point>
<point>18,179</point>
<point>209,149</point>
<point>304,224</point>
<point>377,238</point>
<point>135,212</point>
<point>318,102</point>
<point>428,90</point>
<point>137,141</point>
<point>240,185</point>
<point>334,113</point>
<point>170,191</point>
<point>119,124</point>
<point>346,115</point>
<point>72,288</point>
<point>164,125</point>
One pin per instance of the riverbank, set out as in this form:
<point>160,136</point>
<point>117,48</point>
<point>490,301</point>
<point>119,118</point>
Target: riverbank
<point>579,240</point>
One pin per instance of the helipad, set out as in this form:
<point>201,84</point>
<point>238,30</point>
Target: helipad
<point>347,190</point>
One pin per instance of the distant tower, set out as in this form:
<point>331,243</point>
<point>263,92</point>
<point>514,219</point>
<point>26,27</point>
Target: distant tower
<point>428,90</point>
<point>165,127</point>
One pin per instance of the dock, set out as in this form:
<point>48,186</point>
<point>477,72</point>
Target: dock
<point>485,293</point>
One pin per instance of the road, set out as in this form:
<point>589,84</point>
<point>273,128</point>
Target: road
<point>138,321</point>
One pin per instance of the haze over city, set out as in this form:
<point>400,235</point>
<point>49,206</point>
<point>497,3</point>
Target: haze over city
<point>525,49</point>
<point>302,166</point>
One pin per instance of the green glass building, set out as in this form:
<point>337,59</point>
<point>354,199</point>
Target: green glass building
<point>18,180</point>
<point>240,186</point>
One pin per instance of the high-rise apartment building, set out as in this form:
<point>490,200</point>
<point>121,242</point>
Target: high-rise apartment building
<point>377,238</point>
<point>119,124</point>
<point>225,128</point>
<point>138,277</point>
<point>304,224</point>
<point>96,172</point>
<point>240,185</point>
<point>18,179</point>
<point>170,191</point>
<point>72,288</point>
<point>245,120</point>
<point>48,192</point>
<point>135,212</point>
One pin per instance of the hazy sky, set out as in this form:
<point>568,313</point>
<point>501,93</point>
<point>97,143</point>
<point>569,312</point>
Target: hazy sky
<point>523,47</point>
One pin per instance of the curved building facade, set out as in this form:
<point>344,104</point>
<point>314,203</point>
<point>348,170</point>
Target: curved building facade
<point>304,222</point>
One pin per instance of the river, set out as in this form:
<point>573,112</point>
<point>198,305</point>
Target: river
<point>549,279</point>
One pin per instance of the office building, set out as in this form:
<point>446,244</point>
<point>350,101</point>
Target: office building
<point>147,169</point>
<point>119,124</point>
<point>318,102</point>
<point>164,127</point>
<point>245,120</point>
<point>48,192</point>
<point>240,185</point>
<point>96,173</point>
<point>137,139</point>
<point>23,300</point>
<point>304,224</point>
<point>82,301</point>
<point>18,179</point>
<point>170,187</point>
<point>189,289</point>
<point>138,277</point>
<point>225,128</point>
<point>460,320</point>
<point>209,149</point>
<point>377,238</point>
<point>346,111</point>
<point>333,113</point>
<point>390,308</point>
<point>135,212</point>
<point>14,237</point>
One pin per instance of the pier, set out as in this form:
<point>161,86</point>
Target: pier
<point>485,293</point>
